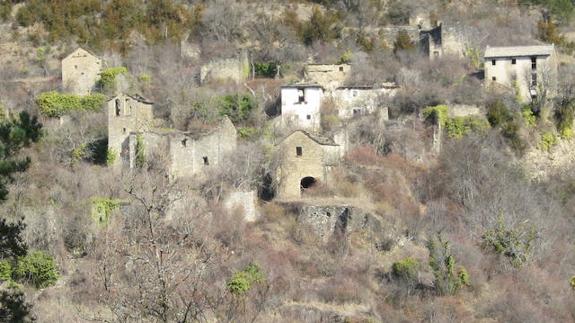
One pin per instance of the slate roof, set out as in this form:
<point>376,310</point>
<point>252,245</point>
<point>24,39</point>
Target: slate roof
<point>516,51</point>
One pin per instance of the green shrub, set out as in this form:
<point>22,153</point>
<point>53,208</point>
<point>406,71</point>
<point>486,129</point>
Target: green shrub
<point>111,156</point>
<point>37,268</point>
<point>448,280</point>
<point>266,69</point>
<point>528,116</point>
<point>140,153</point>
<point>548,140</point>
<point>248,132</point>
<point>498,114</point>
<point>54,104</point>
<point>565,116</point>
<point>5,271</point>
<point>403,42</point>
<point>237,107</point>
<point>514,243</point>
<point>436,115</point>
<point>405,270</point>
<point>102,209</point>
<point>458,127</point>
<point>572,282</point>
<point>107,81</point>
<point>244,280</point>
<point>79,153</point>
<point>346,57</point>
<point>321,26</point>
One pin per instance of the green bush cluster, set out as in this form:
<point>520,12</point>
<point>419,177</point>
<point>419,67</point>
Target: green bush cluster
<point>266,69</point>
<point>572,282</point>
<point>458,127</point>
<point>111,155</point>
<point>528,116</point>
<point>449,277</point>
<point>102,209</point>
<point>499,116</point>
<point>140,151</point>
<point>244,280</point>
<point>36,268</point>
<point>109,23</point>
<point>455,127</point>
<point>248,132</point>
<point>514,243</point>
<point>548,140</point>
<point>107,81</point>
<point>237,107</point>
<point>565,116</point>
<point>405,270</point>
<point>5,271</point>
<point>403,42</point>
<point>54,104</point>
<point>321,26</point>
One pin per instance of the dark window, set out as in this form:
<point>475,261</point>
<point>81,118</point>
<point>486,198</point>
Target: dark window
<point>308,117</point>
<point>76,66</point>
<point>117,107</point>
<point>301,96</point>
<point>436,53</point>
<point>494,78</point>
<point>533,63</point>
<point>206,161</point>
<point>298,151</point>
<point>354,93</point>
<point>356,112</point>
<point>493,62</point>
<point>534,79</point>
<point>124,130</point>
<point>341,68</point>
<point>185,142</point>
<point>513,61</point>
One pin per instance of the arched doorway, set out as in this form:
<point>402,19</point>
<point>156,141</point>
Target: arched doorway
<point>307,182</point>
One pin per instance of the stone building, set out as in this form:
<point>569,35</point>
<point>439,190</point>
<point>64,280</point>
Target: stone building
<point>326,75</point>
<point>305,160</point>
<point>530,70</point>
<point>184,154</point>
<point>301,105</point>
<point>126,114</point>
<point>440,40</point>
<point>236,69</point>
<point>352,101</point>
<point>80,71</point>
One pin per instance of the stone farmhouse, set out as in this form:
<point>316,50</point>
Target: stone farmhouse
<point>440,40</point>
<point>301,105</point>
<point>80,71</point>
<point>352,101</point>
<point>326,75</point>
<point>530,70</point>
<point>305,160</point>
<point>126,114</point>
<point>185,154</point>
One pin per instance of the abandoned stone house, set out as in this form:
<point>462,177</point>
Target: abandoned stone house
<point>126,114</point>
<point>329,76</point>
<point>184,154</point>
<point>80,71</point>
<point>301,105</point>
<point>529,70</point>
<point>305,161</point>
<point>235,69</point>
<point>439,40</point>
<point>131,126</point>
<point>352,101</point>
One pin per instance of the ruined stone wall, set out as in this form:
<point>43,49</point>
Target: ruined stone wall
<point>234,69</point>
<point>328,76</point>
<point>294,168</point>
<point>462,110</point>
<point>199,154</point>
<point>244,202</point>
<point>80,71</point>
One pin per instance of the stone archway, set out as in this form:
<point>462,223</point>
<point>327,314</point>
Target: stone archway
<point>307,182</point>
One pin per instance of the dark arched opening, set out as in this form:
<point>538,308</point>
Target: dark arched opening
<point>117,107</point>
<point>307,182</point>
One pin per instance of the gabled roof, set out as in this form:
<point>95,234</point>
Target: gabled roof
<point>319,140</point>
<point>135,97</point>
<point>518,51</point>
<point>80,49</point>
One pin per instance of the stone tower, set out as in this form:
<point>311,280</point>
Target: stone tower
<point>126,114</point>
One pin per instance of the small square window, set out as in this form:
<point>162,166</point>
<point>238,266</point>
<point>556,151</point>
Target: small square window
<point>185,142</point>
<point>206,161</point>
<point>513,61</point>
<point>493,62</point>
<point>124,130</point>
<point>341,68</point>
<point>308,117</point>
<point>298,151</point>
<point>354,93</point>
<point>494,78</point>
